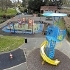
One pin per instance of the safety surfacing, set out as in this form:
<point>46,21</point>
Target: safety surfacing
<point>34,61</point>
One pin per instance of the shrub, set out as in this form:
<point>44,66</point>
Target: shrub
<point>68,32</point>
<point>7,16</point>
<point>38,14</point>
<point>25,10</point>
<point>21,9</point>
<point>68,15</point>
<point>4,16</point>
<point>30,11</point>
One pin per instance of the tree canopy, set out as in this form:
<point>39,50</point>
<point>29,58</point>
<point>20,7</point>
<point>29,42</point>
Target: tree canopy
<point>35,4</point>
<point>4,4</point>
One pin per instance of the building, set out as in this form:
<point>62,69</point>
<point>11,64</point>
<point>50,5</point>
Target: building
<point>48,8</point>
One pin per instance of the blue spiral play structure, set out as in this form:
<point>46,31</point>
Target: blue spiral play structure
<point>54,34</point>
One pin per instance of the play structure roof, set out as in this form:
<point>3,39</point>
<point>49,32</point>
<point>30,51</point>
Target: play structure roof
<point>51,14</point>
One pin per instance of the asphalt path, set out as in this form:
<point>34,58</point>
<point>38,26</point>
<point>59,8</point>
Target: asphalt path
<point>6,62</point>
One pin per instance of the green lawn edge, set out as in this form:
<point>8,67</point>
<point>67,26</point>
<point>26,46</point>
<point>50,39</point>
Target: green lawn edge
<point>10,11</point>
<point>8,43</point>
<point>61,25</point>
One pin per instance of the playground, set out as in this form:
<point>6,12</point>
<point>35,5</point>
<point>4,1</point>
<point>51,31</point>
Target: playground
<point>42,53</point>
<point>48,60</point>
<point>24,26</point>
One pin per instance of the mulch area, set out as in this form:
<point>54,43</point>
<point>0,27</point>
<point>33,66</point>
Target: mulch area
<point>34,61</point>
<point>6,62</point>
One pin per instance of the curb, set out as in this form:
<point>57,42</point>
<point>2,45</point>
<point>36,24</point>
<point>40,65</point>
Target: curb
<point>12,50</point>
<point>68,42</point>
<point>14,66</point>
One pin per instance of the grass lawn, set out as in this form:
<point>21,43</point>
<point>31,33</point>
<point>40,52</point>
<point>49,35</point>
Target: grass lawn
<point>8,43</point>
<point>10,11</point>
<point>60,24</point>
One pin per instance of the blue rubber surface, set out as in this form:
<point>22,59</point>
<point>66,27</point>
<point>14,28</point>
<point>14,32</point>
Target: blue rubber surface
<point>21,31</point>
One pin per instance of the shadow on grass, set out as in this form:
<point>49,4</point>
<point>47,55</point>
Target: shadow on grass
<point>5,61</point>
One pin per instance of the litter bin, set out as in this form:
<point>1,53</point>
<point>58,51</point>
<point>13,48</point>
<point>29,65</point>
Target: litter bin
<point>44,33</point>
<point>25,40</point>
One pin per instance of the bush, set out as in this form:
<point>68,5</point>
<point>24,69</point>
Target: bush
<point>25,10</point>
<point>21,9</point>
<point>68,32</point>
<point>68,15</point>
<point>7,16</point>
<point>38,14</point>
<point>2,20</point>
<point>4,16</point>
<point>30,11</point>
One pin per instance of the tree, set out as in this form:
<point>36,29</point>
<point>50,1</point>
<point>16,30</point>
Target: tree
<point>57,3</point>
<point>35,4</point>
<point>23,2</point>
<point>7,4</point>
<point>4,4</point>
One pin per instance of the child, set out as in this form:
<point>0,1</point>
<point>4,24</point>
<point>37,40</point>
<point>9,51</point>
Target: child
<point>11,56</point>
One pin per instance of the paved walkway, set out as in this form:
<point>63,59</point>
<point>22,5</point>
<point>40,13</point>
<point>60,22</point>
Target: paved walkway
<point>34,43</point>
<point>65,47</point>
